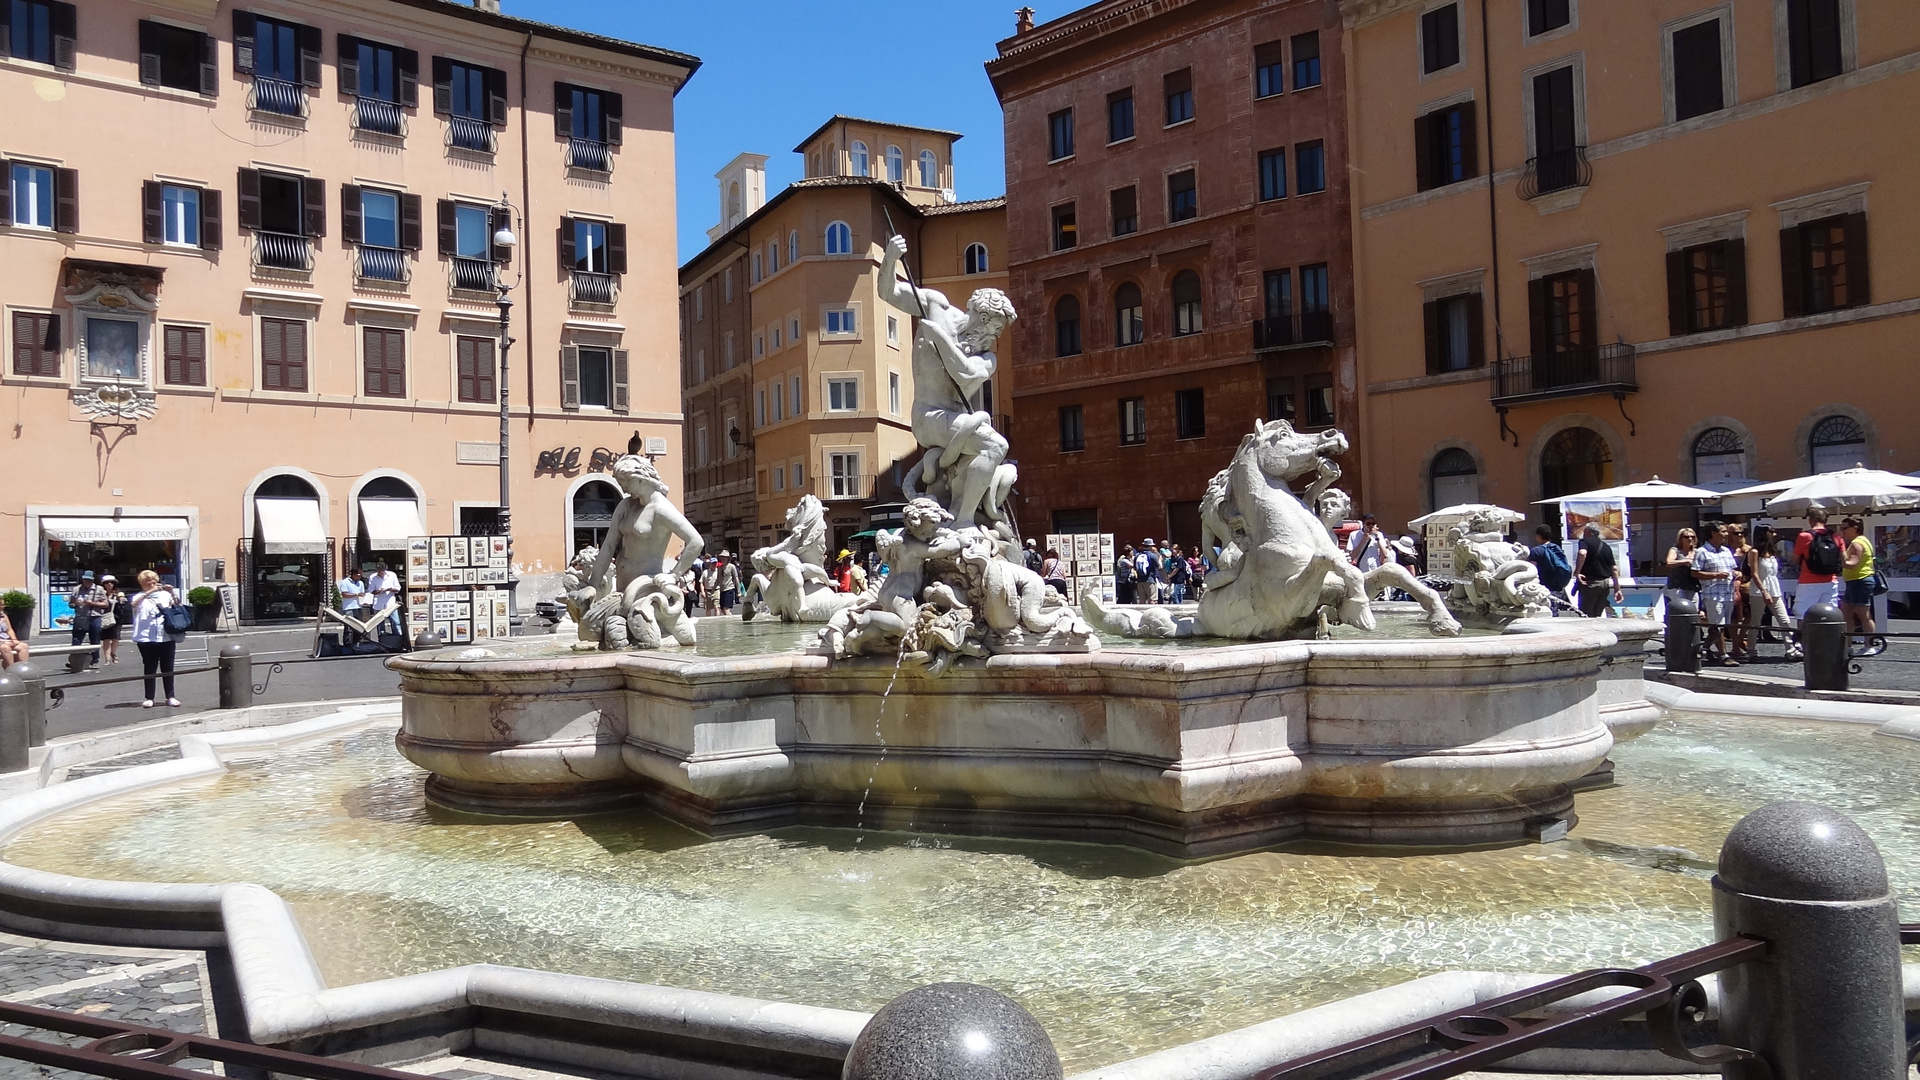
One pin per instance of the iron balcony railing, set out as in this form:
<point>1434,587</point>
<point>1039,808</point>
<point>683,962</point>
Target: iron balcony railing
<point>272,95</point>
<point>379,117</point>
<point>1566,373</point>
<point>281,251</point>
<point>472,275</point>
<point>590,288</point>
<point>466,133</point>
<point>382,264</point>
<point>1293,331</point>
<point>589,154</point>
<point>1556,171</point>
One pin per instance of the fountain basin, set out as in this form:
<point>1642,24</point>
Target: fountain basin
<point>1191,753</point>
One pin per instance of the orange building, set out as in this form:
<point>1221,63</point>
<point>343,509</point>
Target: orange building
<point>248,269</point>
<point>1599,241</point>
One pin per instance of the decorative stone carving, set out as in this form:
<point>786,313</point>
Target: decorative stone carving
<point>790,577</point>
<point>625,594</point>
<point>117,402</point>
<point>1494,577</point>
<point>1336,506</point>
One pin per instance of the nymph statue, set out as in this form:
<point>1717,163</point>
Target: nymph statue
<point>630,597</point>
<point>790,577</point>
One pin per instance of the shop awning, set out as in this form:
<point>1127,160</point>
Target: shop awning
<point>291,526</point>
<point>98,529</point>
<point>389,523</point>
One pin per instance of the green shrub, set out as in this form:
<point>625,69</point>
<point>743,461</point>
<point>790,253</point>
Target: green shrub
<point>202,596</point>
<point>15,600</point>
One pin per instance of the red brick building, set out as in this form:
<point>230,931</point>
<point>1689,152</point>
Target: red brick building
<point>1179,250</point>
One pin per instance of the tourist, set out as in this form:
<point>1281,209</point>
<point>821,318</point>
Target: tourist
<point>710,587</point>
<point>1366,546</point>
<point>1146,573</point>
<point>1551,563</point>
<point>1715,567</point>
<point>151,636</point>
<point>1052,572</point>
<point>353,594</point>
<point>729,583</point>
<point>1179,574</point>
<point>384,587</point>
<point>856,576</point>
<point>1032,556</point>
<point>12,649</point>
<point>1856,603</point>
<point>1680,581</point>
<point>1818,554</point>
<point>1123,576</point>
<point>843,573</point>
<point>1763,590</point>
<point>1737,618</point>
<point>89,603</point>
<point>1598,572</point>
<point>1196,575</point>
<point>118,614</point>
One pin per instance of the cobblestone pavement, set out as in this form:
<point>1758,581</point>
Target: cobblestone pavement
<point>163,988</point>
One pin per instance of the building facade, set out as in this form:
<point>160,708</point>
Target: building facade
<point>248,261</point>
<point>1593,263</point>
<point>799,379</point>
<point>1177,208</point>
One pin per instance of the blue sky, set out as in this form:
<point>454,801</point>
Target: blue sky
<point>773,70</point>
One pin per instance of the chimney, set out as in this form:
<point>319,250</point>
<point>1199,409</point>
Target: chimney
<point>488,5</point>
<point>1023,21</point>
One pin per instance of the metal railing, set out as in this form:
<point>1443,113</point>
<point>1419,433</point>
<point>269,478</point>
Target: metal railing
<point>1605,369</point>
<point>380,117</point>
<point>282,251</point>
<point>1556,171</point>
<point>382,264</point>
<point>1293,331</point>
<point>270,95</point>
<point>471,275</point>
<point>855,486</point>
<point>466,133</point>
<point>585,287</point>
<point>589,154</point>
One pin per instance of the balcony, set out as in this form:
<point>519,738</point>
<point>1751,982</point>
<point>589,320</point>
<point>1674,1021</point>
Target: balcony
<point>590,290</point>
<point>849,486</point>
<point>471,275</point>
<point>589,155</point>
<point>277,96</point>
<point>386,267</point>
<point>1305,330</point>
<point>1607,369</point>
<point>281,251</point>
<point>379,117</point>
<point>466,133</point>
<point>1561,170</point>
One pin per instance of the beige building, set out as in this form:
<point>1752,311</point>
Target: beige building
<point>1599,241</point>
<point>248,263</point>
<point>799,380</point>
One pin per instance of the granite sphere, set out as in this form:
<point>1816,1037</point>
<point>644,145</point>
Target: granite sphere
<point>952,1031</point>
<point>1802,851</point>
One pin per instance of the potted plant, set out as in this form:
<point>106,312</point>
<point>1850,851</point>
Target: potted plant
<point>206,607</point>
<point>19,609</point>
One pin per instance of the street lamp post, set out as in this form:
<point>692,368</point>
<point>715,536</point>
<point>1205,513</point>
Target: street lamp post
<point>503,245</point>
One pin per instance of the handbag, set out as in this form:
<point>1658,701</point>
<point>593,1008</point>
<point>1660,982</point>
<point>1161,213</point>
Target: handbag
<point>177,618</point>
<point>1879,580</point>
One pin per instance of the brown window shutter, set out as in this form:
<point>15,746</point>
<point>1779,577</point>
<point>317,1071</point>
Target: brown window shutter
<point>1423,152</point>
<point>149,53</point>
<point>249,188</point>
<point>1793,282</point>
<point>296,355</point>
<point>1469,141</point>
<point>313,191</point>
<point>483,369</point>
<point>351,224</point>
<point>348,52</point>
<point>1476,330</point>
<point>66,28</point>
<point>152,227</point>
<point>1859,266</point>
<point>210,219</point>
<point>410,228</point>
<point>570,377</point>
<point>1430,313</point>
<point>371,362</point>
<point>568,257</point>
<point>310,57</point>
<point>612,108</point>
<point>1537,317</point>
<point>447,226</point>
<point>463,351</point>
<point>497,97</point>
<point>498,218</point>
<point>1589,314</point>
<point>243,39</point>
<point>1737,281</point>
<point>273,354</point>
<point>1677,293</point>
<point>196,357</point>
<point>186,352</point>
<point>619,380</point>
<point>563,110</point>
<point>209,65</point>
<point>174,346</point>
<point>408,61</point>
<point>442,86</point>
<point>66,200</point>
<point>6,173</point>
<point>616,249</point>
<point>36,344</point>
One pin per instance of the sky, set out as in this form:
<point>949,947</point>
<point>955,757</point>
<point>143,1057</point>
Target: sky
<point>774,70</point>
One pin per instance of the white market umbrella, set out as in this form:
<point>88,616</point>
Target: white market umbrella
<point>1465,510</point>
<point>1645,491</point>
<point>1849,489</point>
<point>1773,487</point>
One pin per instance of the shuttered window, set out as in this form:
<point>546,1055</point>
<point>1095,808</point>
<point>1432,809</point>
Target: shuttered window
<point>36,344</point>
<point>42,31</point>
<point>1707,287</point>
<point>185,348</point>
<point>1454,333</point>
<point>474,357</point>
<point>180,59</point>
<point>384,358</point>
<point>1823,265</point>
<point>283,355</point>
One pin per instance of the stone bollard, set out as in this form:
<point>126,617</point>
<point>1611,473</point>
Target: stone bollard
<point>236,676</point>
<point>13,723</point>
<point>952,1031</point>
<point>427,639</point>
<point>1823,645</point>
<point>1683,636</point>
<point>1826,999</point>
<point>36,701</point>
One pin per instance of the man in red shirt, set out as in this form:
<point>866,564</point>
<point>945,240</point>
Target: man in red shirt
<point>1816,587</point>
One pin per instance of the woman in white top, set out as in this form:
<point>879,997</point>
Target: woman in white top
<point>1763,588</point>
<point>150,634</point>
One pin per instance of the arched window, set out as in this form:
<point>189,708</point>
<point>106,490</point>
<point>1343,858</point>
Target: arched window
<point>896,165</point>
<point>733,200</point>
<point>1186,303</point>
<point>288,576</point>
<point>793,246</point>
<point>1066,326</point>
<point>1453,478</point>
<point>833,159</point>
<point>386,526</point>
<point>858,151</point>
<point>839,239</point>
<point>1129,316</point>
<point>1718,455</point>
<point>1837,442</point>
<point>929,169</point>
<point>976,258</point>
<point>1575,460</point>
<point>593,507</point>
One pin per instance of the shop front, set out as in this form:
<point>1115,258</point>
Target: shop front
<point>114,540</point>
<point>290,560</point>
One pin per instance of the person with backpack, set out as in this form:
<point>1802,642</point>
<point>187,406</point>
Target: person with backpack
<point>1550,561</point>
<point>1123,591</point>
<point>1146,572</point>
<point>1599,574</point>
<point>1178,575</point>
<point>1818,553</point>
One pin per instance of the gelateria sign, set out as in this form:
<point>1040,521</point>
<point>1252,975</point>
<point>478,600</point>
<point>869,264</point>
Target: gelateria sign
<point>567,461</point>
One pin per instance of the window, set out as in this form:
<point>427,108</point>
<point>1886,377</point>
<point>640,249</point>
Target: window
<point>796,476</point>
<point>1269,69</point>
<point>473,239</point>
<point>839,239</point>
<point>384,359</point>
<point>779,478</point>
<point>1120,115</point>
<point>893,330</point>
<point>283,355</point>
<point>1453,479</point>
<point>779,408</point>
<point>40,31</point>
<point>1313,289</point>
<point>1280,398</point>
<point>729,286</point>
<point>700,445</point>
<point>587,115</point>
<point>1707,287</point>
<point>601,378</point>
<point>184,351</point>
<point>282,57</point>
<point>1186,303</point>
<point>729,351</point>
<point>375,72</point>
<point>1126,211</point>
<point>43,197</point>
<point>845,469</point>
<point>929,169</point>
<point>1823,265</point>
<point>793,330</point>
<point>843,395</point>
<point>1065,233</point>
<point>759,345</point>
<point>1183,201</point>
<point>793,251</point>
<point>1564,325</point>
<point>1440,38</point>
<point>179,59</point>
<point>180,216</point>
<point>976,259</point>
<point>590,254</point>
<point>842,321</point>
<point>36,344</point>
<point>1577,459</point>
<point>1547,15</point>
<point>758,268</point>
<point>699,365</point>
<point>1073,428</point>
<point>1718,455</point>
<point>379,217</point>
<point>777,338</point>
<point>1698,84</point>
<point>1310,166</point>
<point>1835,443</point>
<point>1190,414</point>
<point>1306,60</point>
<point>773,256</point>
<point>468,92</point>
<point>857,151</point>
<point>1273,175</point>
<point>1129,315</point>
<point>1555,133</point>
<point>1446,146</point>
<point>1453,333</point>
<point>1178,86</point>
<point>1277,293</point>
<point>1133,421</point>
<point>893,392</point>
<point>1066,326</point>
<point>896,165</point>
<point>1060,135</point>
<point>1814,51</point>
<point>795,405</point>
<point>1320,411</point>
